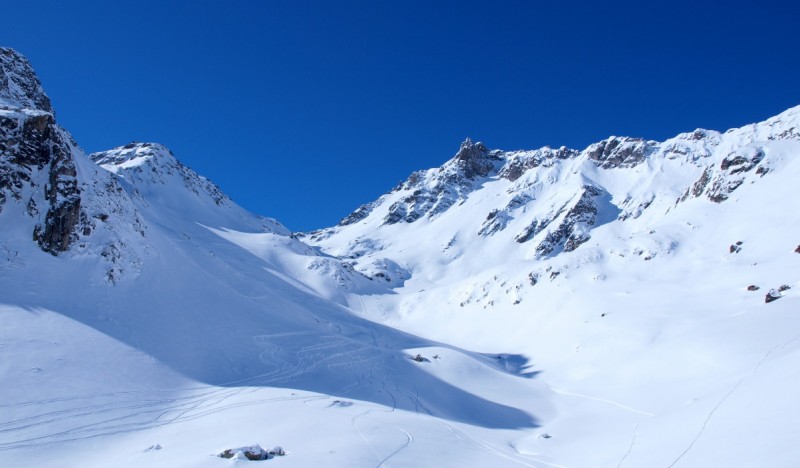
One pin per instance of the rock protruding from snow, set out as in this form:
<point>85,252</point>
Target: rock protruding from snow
<point>731,174</point>
<point>574,225</point>
<point>520,162</point>
<point>617,152</point>
<point>360,213</point>
<point>252,453</point>
<point>772,295</point>
<point>19,86</point>
<point>495,221</point>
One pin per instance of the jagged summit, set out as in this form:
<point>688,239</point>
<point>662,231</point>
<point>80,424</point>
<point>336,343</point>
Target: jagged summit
<point>19,85</point>
<point>474,159</point>
<point>469,150</point>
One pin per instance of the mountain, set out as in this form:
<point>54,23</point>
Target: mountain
<point>630,304</point>
<point>632,273</point>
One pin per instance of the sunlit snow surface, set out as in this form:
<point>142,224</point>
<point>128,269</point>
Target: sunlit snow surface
<point>219,330</point>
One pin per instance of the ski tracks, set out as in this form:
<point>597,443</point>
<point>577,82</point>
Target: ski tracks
<point>728,395</point>
<point>97,417</point>
<point>385,378</point>
<point>630,447</point>
<point>602,400</point>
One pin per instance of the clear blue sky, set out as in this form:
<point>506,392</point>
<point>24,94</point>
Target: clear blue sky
<point>304,110</point>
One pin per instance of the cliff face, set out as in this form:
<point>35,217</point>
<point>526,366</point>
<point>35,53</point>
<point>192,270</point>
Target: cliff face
<point>37,167</point>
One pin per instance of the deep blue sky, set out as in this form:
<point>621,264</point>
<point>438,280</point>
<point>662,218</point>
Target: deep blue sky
<point>304,110</point>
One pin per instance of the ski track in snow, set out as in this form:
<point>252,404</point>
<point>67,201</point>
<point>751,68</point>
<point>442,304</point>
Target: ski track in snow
<point>602,400</point>
<point>727,395</point>
<point>133,415</point>
<point>409,438</point>
<point>135,411</point>
<point>159,412</point>
<point>154,414</point>
<point>506,454</point>
<point>408,441</point>
<point>424,412</point>
<point>630,447</point>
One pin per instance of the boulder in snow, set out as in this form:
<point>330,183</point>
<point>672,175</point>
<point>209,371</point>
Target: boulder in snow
<point>253,452</point>
<point>772,295</point>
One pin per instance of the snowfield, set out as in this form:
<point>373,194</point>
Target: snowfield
<point>604,307</point>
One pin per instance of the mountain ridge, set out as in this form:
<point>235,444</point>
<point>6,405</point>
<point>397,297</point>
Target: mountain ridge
<point>701,163</point>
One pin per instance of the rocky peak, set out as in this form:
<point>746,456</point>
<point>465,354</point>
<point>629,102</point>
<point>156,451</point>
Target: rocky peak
<point>19,85</point>
<point>470,150</point>
<point>474,159</point>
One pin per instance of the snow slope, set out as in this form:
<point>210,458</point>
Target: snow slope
<point>568,308</point>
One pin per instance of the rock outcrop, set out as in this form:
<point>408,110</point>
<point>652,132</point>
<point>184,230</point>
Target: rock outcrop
<point>617,152</point>
<point>436,190</point>
<point>574,226</point>
<point>36,158</point>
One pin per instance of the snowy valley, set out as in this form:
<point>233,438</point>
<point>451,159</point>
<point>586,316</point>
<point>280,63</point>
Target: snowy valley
<point>630,304</point>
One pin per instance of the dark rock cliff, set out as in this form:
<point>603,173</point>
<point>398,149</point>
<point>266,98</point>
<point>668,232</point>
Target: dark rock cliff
<point>36,158</point>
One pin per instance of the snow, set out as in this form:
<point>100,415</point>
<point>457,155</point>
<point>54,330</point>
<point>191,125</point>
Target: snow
<point>182,326</point>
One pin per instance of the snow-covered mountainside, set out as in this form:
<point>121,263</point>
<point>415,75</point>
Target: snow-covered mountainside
<point>634,274</point>
<point>631,304</point>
